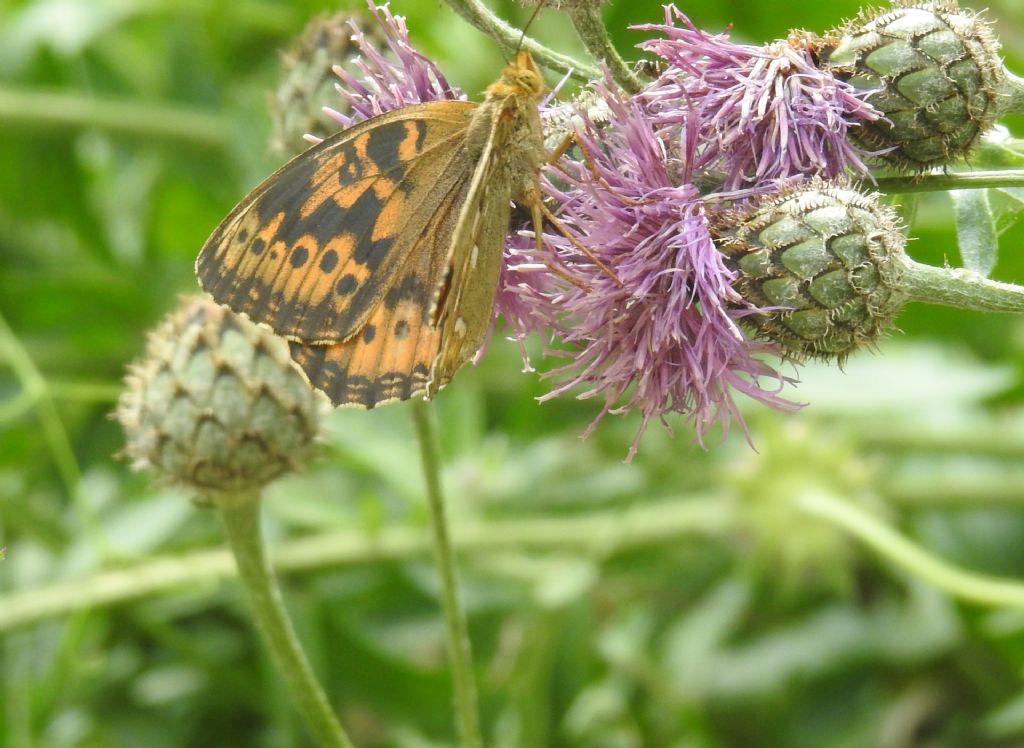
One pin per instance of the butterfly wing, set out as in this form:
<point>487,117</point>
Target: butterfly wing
<point>391,357</point>
<point>437,314</point>
<point>315,248</point>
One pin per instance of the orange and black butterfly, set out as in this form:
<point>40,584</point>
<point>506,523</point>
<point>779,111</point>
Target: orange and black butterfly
<point>377,252</point>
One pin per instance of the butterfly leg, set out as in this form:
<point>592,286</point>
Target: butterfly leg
<point>571,140</point>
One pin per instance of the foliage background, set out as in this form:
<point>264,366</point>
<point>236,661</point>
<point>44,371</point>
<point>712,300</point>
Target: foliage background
<point>688,599</point>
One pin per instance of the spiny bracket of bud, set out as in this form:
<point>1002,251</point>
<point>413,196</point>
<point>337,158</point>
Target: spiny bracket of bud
<point>821,263</point>
<point>934,71</point>
<point>215,403</point>
<point>308,81</point>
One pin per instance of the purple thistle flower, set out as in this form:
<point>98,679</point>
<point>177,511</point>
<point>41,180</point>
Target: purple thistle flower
<point>655,329</point>
<point>767,112</point>
<point>385,84</point>
<point>660,334</point>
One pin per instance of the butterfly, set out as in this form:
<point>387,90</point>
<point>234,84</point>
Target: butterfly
<point>377,252</point>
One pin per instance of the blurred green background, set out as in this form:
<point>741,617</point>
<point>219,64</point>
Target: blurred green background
<point>695,598</point>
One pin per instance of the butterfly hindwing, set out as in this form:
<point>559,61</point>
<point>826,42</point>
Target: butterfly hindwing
<point>313,250</point>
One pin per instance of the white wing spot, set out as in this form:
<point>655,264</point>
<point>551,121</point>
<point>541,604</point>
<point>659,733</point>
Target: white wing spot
<point>473,257</point>
<point>460,327</point>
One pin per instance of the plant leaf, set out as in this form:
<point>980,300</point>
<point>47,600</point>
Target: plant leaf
<point>975,230</point>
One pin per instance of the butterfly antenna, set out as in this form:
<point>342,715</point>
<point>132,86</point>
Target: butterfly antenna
<point>529,22</point>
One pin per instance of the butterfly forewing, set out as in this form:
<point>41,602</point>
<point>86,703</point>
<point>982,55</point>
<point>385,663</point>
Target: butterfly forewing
<point>314,248</point>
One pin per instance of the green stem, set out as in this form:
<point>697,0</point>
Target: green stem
<point>979,488</point>
<point>974,180</point>
<point>977,438</point>
<point>899,550</point>
<point>101,392</point>
<point>957,287</point>
<point>240,517</point>
<point>459,651</point>
<point>42,109</point>
<point>37,391</point>
<point>1012,95</point>
<point>511,39</point>
<point>586,19</point>
<point>599,534</point>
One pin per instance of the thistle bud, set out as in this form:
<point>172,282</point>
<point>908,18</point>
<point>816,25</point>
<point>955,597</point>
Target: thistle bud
<point>215,404</point>
<point>820,262</point>
<point>307,79</point>
<point>934,72</point>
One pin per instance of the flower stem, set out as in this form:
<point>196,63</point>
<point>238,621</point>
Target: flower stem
<point>589,25</point>
<point>958,287</point>
<point>511,39</point>
<point>240,517</point>
<point>459,651</point>
<point>36,109</point>
<point>594,534</point>
<point>974,180</point>
<point>1012,95</point>
<point>896,548</point>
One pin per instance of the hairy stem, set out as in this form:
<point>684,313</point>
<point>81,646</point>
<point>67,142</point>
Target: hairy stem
<point>975,180</point>
<point>511,39</point>
<point>1013,95</point>
<point>240,517</point>
<point>958,287</point>
<point>459,650</point>
<point>586,19</point>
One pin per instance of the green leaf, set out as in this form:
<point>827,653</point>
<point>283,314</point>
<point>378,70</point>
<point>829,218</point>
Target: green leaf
<point>975,230</point>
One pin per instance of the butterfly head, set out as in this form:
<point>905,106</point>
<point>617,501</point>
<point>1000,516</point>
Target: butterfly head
<point>520,79</point>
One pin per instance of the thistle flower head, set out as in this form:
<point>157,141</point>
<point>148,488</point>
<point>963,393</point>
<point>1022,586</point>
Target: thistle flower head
<point>767,112</point>
<point>934,71</point>
<point>215,404</point>
<point>647,315</point>
<point>386,82</point>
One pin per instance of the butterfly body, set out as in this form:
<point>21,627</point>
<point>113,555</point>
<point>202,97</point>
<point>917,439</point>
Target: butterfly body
<point>377,252</point>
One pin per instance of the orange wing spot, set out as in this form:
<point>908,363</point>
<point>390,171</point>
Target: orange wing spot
<point>269,231</point>
<point>332,166</point>
<point>407,149</point>
<point>416,346</point>
<point>382,187</point>
<point>369,166</point>
<point>343,244</point>
<point>387,223</point>
<point>346,197</point>
<point>325,191</point>
<point>277,251</point>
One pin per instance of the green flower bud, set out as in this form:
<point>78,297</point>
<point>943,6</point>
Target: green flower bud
<point>307,80</point>
<point>935,74</point>
<point>822,262</point>
<point>788,550</point>
<point>215,403</point>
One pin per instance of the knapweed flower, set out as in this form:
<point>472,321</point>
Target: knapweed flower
<point>215,404</point>
<point>766,112</point>
<point>308,83</point>
<point>385,83</point>
<point>934,70</point>
<point>824,262</point>
<point>645,310</point>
